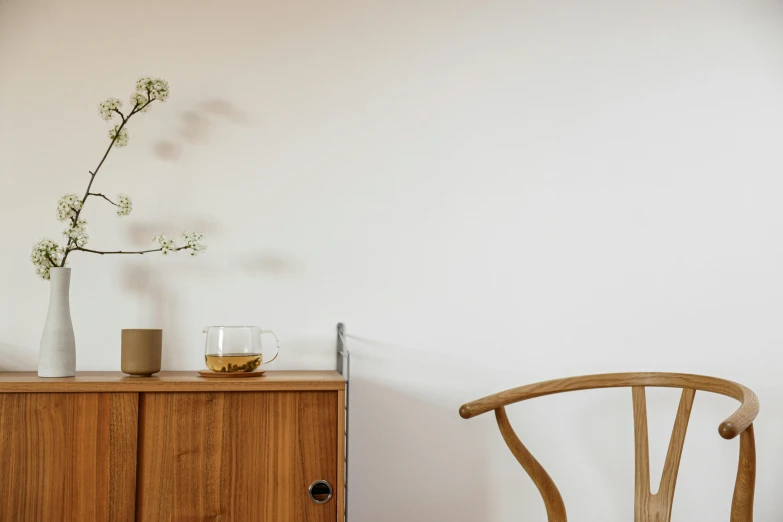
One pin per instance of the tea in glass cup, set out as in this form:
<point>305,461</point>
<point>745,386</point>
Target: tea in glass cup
<point>236,348</point>
<point>234,362</point>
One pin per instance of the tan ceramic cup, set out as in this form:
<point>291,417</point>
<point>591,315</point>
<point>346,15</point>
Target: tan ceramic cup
<point>141,349</point>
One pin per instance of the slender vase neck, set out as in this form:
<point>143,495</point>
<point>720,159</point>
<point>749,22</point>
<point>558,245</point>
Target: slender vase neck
<point>60,280</point>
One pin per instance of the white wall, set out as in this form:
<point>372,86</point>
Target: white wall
<point>487,193</point>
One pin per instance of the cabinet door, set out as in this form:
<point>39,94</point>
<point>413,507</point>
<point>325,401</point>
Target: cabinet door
<point>236,456</point>
<point>68,456</point>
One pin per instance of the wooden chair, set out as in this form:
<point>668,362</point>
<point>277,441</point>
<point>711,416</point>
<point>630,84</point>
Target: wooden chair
<point>648,507</point>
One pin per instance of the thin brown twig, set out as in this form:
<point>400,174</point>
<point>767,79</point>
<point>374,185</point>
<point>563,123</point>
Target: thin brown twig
<point>104,197</point>
<point>94,173</point>
<point>139,252</point>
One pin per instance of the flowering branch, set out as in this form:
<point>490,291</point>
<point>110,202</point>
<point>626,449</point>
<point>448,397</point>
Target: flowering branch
<point>116,134</point>
<point>139,252</point>
<point>46,253</point>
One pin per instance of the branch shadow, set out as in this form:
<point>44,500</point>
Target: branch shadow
<point>150,285</point>
<point>198,125</point>
<point>167,150</point>
<point>226,110</point>
<point>269,263</point>
<point>140,233</point>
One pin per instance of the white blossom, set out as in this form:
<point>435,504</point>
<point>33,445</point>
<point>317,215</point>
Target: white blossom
<point>167,245</point>
<point>124,205</point>
<point>193,242</point>
<point>108,108</point>
<point>155,88</point>
<point>138,99</point>
<point>68,206</point>
<point>76,233</point>
<point>147,90</point>
<point>122,139</point>
<point>45,255</point>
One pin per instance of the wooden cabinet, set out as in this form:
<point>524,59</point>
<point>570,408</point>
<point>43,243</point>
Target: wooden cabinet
<point>175,447</point>
<point>67,456</point>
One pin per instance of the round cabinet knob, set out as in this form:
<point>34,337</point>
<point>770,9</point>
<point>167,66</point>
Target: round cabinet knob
<point>320,492</point>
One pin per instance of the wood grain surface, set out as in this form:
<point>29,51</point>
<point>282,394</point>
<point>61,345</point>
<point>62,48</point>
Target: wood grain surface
<point>648,507</point>
<point>68,457</point>
<point>728,429</point>
<point>555,508</point>
<point>236,456</point>
<point>29,382</point>
<point>745,485</point>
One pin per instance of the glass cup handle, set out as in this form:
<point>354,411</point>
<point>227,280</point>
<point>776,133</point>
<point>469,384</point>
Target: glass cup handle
<point>277,349</point>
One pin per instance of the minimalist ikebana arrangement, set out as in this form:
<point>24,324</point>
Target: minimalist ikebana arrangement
<point>57,354</point>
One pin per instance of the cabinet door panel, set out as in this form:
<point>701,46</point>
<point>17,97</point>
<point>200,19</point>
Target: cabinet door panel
<point>68,456</point>
<point>236,456</point>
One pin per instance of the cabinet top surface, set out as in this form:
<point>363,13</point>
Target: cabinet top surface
<point>28,382</point>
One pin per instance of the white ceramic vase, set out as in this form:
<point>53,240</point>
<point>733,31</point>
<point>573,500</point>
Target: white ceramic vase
<point>57,355</point>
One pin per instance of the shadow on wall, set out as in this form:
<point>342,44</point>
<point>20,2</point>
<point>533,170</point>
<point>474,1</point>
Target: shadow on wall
<point>150,286</point>
<point>408,460</point>
<point>15,358</point>
<point>609,467</point>
<point>300,353</point>
<point>153,285</point>
<point>140,234</point>
<point>197,126</point>
<point>269,263</point>
<point>412,457</point>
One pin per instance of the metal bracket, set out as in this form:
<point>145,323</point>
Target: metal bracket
<point>344,367</point>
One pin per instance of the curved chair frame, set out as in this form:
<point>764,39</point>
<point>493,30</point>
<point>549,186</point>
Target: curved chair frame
<point>648,507</point>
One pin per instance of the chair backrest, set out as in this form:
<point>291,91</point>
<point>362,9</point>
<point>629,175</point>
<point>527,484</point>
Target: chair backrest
<point>648,507</point>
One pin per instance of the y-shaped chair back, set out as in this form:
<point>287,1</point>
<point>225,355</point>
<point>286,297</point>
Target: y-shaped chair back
<point>648,507</point>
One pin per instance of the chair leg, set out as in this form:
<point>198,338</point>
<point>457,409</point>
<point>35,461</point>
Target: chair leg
<point>745,486</point>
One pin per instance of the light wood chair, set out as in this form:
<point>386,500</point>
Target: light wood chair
<point>648,507</point>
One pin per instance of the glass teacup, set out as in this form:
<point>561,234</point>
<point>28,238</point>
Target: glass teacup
<point>236,348</point>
